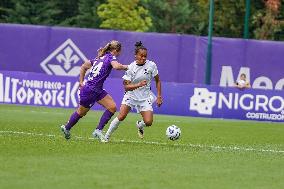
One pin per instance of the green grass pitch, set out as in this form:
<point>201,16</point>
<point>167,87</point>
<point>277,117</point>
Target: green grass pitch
<point>211,153</point>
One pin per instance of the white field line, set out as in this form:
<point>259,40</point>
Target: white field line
<point>212,147</point>
<point>33,111</point>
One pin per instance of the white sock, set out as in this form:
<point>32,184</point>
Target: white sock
<point>112,127</point>
<point>141,124</point>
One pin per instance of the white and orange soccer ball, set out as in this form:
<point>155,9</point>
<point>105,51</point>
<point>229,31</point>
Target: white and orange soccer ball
<point>173,132</point>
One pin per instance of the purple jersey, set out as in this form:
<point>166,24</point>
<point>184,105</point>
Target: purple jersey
<point>101,68</point>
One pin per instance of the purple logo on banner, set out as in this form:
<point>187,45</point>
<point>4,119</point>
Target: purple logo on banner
<point>65,60</point>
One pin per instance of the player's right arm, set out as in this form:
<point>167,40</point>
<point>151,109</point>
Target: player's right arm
<point>84,68</point>
<point>116,65</point>
<point>128,86</point>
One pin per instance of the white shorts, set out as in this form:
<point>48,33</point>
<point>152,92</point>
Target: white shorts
<point>139,105</point>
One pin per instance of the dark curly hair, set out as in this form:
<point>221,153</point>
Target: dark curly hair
<point>138,46</point>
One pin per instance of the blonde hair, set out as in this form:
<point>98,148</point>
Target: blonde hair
<point>112,45</point>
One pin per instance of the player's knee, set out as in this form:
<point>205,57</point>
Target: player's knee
<point>112,108</point>
<point>121,117</point>
<point>81,113</point>
<point>148,123</point>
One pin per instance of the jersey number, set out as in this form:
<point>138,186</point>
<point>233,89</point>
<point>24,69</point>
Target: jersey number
<point>95,71</point>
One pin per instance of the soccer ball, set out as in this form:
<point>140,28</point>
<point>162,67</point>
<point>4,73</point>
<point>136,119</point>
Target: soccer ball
<point>173,132</point>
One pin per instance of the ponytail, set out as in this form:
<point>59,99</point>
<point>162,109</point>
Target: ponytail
<point>112,45</point>
<point>102,50</point>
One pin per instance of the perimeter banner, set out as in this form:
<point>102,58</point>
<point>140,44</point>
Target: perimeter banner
<point>34,89</point>
<point>179,99</point>
<point>38,90</point>
<point>60,51</point>
<point>223,102</point>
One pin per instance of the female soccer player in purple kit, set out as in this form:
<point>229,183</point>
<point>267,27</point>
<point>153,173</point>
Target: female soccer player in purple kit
<point>92,91</point>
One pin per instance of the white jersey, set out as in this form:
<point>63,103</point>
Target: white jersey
<point>137,73</point>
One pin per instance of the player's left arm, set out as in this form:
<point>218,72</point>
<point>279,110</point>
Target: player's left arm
<point>159,90</point>
<point>128,86</point>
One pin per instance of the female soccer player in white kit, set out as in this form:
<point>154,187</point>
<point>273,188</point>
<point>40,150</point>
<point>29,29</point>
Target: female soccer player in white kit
<point>138,94</point>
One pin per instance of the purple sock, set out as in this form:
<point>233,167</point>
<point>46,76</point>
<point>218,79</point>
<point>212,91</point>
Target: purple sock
<point>104,119</point>
<point>73,120</point>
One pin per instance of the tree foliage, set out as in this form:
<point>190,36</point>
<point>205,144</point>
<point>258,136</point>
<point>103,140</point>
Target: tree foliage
<point>124,15</point>
<point>229,18</point>
<point>31,12</point>
<point>86,15</point>
<point>5,6</point>
<point>167,16</point>
<point>172,16</point>
<point>266,20</point>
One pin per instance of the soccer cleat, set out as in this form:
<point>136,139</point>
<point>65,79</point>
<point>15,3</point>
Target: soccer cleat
<point>140,130</point>
<point>98,134</point>
<point>66,132</point>
<point>106,139</point>
<point>141,133</point>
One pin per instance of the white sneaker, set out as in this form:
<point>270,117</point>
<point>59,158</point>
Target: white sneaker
<point>65,132</point>
<point>98,134</point>
<point>140,130</point>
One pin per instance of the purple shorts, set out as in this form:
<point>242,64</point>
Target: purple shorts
<point>88,97</point>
